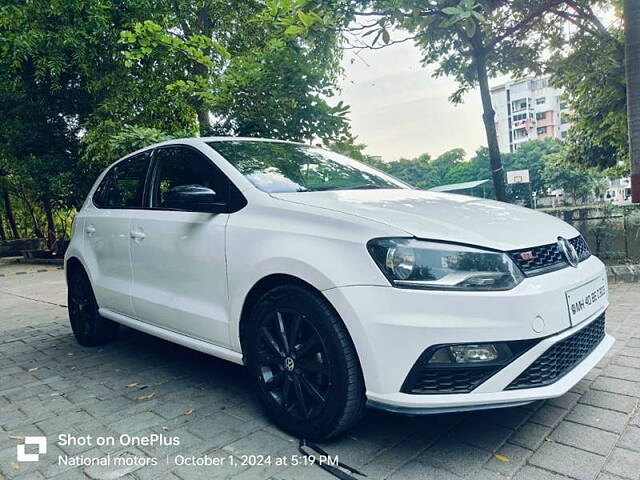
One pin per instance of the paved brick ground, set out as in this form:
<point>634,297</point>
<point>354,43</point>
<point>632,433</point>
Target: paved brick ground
<point>140,386</point>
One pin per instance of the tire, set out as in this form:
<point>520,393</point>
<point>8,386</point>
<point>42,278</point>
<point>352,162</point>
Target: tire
<point>89,328</point>
<point>307,377</point>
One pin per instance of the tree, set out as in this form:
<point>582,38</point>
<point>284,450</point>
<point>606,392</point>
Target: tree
<point>283,92</point>
<point>351,149</point>
<point>559,173</point>
<point>8,209</point>
<point>632,62</point>
<point>531,155</point>
<point>593,77</point>
<point>244,67</point>
<point>473,40</point>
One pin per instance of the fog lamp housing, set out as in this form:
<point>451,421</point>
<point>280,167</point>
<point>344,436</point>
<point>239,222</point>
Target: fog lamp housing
<point>472,354</point>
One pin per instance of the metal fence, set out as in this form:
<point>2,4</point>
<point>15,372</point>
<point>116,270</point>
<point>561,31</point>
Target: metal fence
<point>612,231</point>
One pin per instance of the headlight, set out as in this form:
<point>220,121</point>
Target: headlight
<point>411,263</point>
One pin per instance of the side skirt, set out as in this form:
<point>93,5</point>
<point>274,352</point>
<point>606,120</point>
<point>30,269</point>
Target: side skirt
<point>171,336</point>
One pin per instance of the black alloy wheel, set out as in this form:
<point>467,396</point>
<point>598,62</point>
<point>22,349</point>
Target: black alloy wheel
<point>89,328</point>
<point>293,364</point>
<point>303,364</point>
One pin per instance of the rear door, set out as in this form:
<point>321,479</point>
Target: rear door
<point>178,256</point>
<point>106,229</point>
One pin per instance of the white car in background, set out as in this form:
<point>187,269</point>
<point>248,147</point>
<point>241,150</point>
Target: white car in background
<point>336,285</point>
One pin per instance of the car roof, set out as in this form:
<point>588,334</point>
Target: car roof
<point>192,140</point>
<point>224,139</point>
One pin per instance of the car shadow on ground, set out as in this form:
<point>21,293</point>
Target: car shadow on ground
<point>231,392</point>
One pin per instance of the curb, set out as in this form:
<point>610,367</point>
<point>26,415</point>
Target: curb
<point>623,273</point>
<point>30,272</point>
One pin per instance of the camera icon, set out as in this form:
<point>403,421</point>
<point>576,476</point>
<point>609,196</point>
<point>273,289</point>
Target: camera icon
<point>23,456</point>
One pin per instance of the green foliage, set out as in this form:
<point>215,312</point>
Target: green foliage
<point>453,34</point>
<point>193,57</point>
<point>545,160</point>
<point>593,76</point>
<point>579,184</point>
<point>283,93</point>
<point>83,82</point>
<point>101,148</point>
<point>532,155</point>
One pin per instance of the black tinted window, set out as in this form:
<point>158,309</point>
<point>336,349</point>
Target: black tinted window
<point>123,186</point>
<point>177,166</point>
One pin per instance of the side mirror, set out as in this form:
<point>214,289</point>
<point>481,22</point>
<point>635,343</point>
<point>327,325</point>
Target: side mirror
<point>195,198</point>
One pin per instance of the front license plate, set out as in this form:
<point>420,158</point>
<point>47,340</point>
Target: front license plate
<point>587,299</point>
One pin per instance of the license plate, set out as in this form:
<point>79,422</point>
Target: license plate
<point>587,299</point>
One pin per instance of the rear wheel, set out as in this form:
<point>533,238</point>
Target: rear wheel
<point>89,328</point>
<point>303,364</point>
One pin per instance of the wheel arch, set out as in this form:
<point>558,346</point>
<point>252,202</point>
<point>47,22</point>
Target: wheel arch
<point>264,285</point>
<point>72,266</point>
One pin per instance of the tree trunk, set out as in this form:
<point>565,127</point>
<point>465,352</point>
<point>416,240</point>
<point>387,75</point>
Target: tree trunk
<point>51,225</point>
<point>8,210</point>
<point>203,121</point>
<point>36,225</point>
<point>203,27</point>
<point>632,66</point>
<point>488,117</point>
<point>3,235</point>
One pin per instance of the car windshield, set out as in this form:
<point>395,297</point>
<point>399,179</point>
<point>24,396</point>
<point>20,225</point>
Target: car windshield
<point>277,167</point>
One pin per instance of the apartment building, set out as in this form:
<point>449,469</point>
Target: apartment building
<point>527,109</point>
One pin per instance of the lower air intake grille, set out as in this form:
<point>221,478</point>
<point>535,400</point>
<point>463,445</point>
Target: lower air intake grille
<point>560,358</point>
<point>450,380</point>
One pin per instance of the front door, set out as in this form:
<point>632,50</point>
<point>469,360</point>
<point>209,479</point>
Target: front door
<point>178,256</point>
<point>106,231</point>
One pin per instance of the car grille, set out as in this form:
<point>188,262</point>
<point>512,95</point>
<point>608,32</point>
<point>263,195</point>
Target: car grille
<point>560,358</point>
<point>546,258</point>
<point>450,380</point>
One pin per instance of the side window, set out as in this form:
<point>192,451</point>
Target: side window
<point>179,166</point>
<point>123,186</point>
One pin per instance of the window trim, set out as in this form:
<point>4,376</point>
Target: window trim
<point>146,153</point>
<point>235,199</point>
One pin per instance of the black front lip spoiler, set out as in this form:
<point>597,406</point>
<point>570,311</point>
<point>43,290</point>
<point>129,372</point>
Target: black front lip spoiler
<point>432,411</point>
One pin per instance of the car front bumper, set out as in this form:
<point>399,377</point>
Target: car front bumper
<point>392,327</point>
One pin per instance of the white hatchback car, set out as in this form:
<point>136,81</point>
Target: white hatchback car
<point>337,285</point>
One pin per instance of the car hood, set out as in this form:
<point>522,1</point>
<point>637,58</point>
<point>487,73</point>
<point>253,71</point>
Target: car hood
<point>443,216</point>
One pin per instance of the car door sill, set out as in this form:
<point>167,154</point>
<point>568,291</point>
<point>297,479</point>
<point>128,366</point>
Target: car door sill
<point>184,340</point>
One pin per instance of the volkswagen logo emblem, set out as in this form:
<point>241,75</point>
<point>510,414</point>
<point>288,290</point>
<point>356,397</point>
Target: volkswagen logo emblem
<point>289,364</point>
<point>568,251</point>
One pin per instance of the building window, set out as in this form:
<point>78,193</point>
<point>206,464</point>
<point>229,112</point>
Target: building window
<point>539,84</point>
<point>542,130</point>
<point>563,119</point>
<point>564,105</point>
<point>540,100</point>
<point>519,116</point>
<point>541,115</point>
<point>563,134</point>
<point>520,133</point>
<point>519,105</point>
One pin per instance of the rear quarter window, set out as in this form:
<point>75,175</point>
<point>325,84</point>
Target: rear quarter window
<point>123,185</point>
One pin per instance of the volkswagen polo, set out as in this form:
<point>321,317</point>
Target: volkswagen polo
<point>337,285</point>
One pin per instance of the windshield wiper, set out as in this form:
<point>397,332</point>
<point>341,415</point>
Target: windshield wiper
<point>355,187</point>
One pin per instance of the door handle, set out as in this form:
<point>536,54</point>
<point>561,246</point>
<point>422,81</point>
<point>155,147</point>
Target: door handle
<point>137,235</point>
<point>90,229</point>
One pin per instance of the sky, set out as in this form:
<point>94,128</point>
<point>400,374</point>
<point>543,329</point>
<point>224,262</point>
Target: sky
<point>399,110</point>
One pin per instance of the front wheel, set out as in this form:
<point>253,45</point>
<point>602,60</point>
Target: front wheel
<point>89,328</point>
<point>303,364</point>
